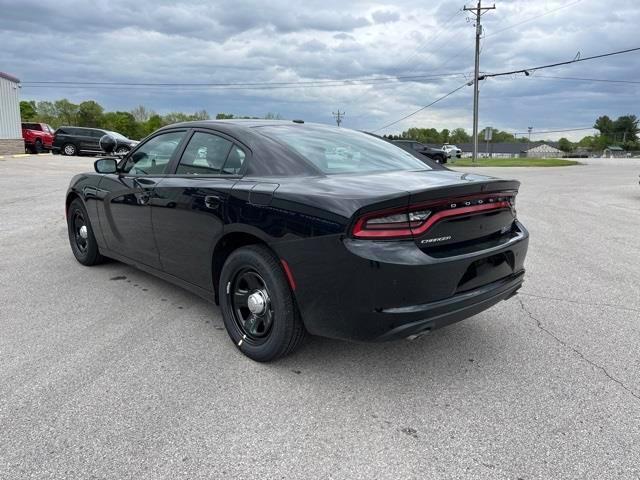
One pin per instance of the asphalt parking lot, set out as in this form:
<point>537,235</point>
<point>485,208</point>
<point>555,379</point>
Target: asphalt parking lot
<point>110,373</point>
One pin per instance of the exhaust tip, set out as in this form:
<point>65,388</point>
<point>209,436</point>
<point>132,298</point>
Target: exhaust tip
<point>411,338</point>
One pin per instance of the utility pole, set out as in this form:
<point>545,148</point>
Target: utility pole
<point>478,11</point>
<point>338,116</point>
<point>530,130</point>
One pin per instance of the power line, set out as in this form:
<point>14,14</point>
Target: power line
<point>320,82</point>
<point>517,24</point>
<point>540,132</point>
<point>432,38</point>
<point>579,79</point>
<point>528,71</point>
<point>423,108</point>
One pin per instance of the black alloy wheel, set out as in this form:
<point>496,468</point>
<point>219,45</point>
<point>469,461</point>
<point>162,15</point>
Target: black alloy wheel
<point>252,309</point>
<point>257,303</point>
<point>81,237</point>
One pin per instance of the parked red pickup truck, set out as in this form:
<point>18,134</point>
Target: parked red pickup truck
<point>38,137</point>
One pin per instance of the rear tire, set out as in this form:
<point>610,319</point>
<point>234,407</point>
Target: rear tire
<point>81,237</point>
<point>37,146</point>
<point>276,331</point>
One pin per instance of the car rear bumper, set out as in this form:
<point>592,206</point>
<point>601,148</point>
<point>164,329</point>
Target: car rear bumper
<point>374,291</point>
<point>417,319</point>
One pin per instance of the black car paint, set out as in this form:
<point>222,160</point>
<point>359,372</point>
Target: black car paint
<point>178,226</point>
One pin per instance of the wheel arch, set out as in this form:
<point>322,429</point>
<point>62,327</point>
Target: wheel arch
<point>225,246</point>
<point>71,196</point>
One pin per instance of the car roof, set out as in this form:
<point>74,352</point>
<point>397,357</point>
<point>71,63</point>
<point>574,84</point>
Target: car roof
<point>83,128</point>
<point>242,122</point>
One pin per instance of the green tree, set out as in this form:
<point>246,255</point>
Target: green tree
<point>142,114</point>
<point>154,123</point>
<point>423,135</point>
<point>459,135</point>
<point>66,112</point>
<point>565,145</point>
<point>498,136</point>
<point>200,115</point>
<point>90,114</point>
<point>47,113</point>
<point>444,135</point>
<point>625,130</point>
<point>605,126</point>
<point>587,142</point>
<point>121,122</point>
<point>28,110</point>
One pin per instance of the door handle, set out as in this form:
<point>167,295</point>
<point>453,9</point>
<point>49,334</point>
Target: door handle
<point>212,201</point>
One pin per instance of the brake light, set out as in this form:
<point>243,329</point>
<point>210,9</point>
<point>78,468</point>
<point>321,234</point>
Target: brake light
<point>415,220</point>
<point>390,224</point>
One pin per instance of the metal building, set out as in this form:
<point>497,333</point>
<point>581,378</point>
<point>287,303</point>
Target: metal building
<point>10,128</point>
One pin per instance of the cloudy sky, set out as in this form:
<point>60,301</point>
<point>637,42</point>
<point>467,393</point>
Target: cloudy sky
<point>245,41</point>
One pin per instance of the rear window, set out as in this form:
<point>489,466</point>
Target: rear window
<point>339,150</point>
<point>32,126</point>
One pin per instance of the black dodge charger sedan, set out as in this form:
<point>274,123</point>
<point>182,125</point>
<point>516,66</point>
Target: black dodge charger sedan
<point>294,228</point>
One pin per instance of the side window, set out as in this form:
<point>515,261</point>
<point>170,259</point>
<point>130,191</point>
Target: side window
<point>96,133</point>
<point>234,162</point>
<point>153,156</point>
<point>205,155</point>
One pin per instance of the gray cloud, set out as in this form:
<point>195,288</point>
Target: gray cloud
<point>276,41</point>
<point>385,16</point>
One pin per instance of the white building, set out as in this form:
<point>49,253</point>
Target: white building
<point>544,150</point>
<point>10,127</point>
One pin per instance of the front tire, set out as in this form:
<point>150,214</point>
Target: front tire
<point>37,146</point>
<point>81,237</point>
<point>258,308</point>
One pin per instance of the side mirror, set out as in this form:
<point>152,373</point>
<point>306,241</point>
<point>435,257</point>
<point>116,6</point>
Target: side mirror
<point>106,165</point>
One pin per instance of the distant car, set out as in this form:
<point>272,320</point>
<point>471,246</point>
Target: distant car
<point>79,140</point>
<point>38,137</point>
<point>452,150</point>
<point>436,154</point>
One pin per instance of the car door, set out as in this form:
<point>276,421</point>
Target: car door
<point>83,139</point>
<point>125,214</point>
<point>190,206</point>
<point>92,142</point>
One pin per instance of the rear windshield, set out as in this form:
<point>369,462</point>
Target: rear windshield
<point>340,150</point>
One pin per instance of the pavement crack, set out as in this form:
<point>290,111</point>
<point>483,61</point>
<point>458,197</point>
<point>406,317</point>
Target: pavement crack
<point>578,302</point>
<point>575,350</point>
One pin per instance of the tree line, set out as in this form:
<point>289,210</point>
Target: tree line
<point>622,132</point>
<point>134,124</point>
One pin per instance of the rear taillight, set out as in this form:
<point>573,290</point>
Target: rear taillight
<point>390,224</point>
<point>417,219</point>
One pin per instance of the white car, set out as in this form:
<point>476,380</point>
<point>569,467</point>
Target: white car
<point>452,150</point>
